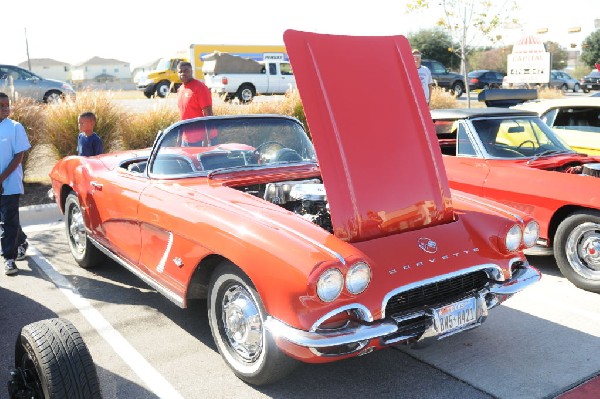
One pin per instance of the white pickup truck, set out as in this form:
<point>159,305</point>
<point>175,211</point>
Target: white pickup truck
<point>233,76</point>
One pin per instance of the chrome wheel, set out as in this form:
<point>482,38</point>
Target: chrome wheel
<point>577,249</point>
<point>236,315</point>
<point>76,227</point>
<point>583,250</point>
<point>242,323</point>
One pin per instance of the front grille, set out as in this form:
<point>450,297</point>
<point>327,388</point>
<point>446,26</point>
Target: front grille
<point>441,291</point>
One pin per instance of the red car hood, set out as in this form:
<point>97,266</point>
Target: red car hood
<point>373,134</point>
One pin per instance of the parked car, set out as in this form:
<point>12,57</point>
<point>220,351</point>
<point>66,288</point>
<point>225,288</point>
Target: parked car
<point>445,79</point>
<point>563,81</point>
<point>576,120</point>
<point>591,81</point>
<point>28,84</point>
<point>484,79</point>
<point>513,157</point>
<point>298,259</point>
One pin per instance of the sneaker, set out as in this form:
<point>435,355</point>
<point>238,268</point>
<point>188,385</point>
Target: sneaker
<point>22,251</point>
<point>10,267</point>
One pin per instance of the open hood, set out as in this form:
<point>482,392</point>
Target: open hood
<point>372,130</point>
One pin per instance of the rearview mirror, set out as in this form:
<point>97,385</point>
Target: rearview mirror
<point>516,129</point>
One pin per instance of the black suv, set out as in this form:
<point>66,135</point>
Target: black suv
<point>444,78</point>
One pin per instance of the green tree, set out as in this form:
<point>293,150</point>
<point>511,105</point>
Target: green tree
<point>558,54</point>
<point>493,59</point>
<point>469,22</point>
<point>590,49</point>
<point>436,44</point>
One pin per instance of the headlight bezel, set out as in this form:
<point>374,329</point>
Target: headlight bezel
<point>531,233</point>
<point>326,294</point>
<point>513,238</point>
<point>361,285</point>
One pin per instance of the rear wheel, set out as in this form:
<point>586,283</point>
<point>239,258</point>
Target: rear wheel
<point>236,315</point>
<point>82,249</point>
<point>564,88</point>
<point>458,89</point>
<point>577,249</point>
<point>246,93</point>
<point>52,361</point>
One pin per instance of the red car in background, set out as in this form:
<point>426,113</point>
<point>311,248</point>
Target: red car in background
<point>302,260</point>
<point>513,157</point>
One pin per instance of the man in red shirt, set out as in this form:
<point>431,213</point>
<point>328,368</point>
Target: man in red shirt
<point>193,100</point>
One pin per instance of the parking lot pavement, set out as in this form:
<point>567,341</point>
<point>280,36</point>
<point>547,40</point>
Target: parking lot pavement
<point>542,343</point>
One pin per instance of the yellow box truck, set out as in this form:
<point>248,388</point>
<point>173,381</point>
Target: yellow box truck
<point>164,79</point>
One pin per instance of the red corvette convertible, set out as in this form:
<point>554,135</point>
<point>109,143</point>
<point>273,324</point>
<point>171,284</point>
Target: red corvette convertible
<point>302,260</point>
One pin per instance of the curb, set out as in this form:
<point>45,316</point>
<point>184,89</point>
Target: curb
<point>39,214</point>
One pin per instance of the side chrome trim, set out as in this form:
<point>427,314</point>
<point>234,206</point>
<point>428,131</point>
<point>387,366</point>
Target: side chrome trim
<point>170,295</point>
<point>161,264</point>
<point>483,203</point>
<point>494,272</point>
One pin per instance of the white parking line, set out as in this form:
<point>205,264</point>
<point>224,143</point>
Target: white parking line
<point>144,370</point>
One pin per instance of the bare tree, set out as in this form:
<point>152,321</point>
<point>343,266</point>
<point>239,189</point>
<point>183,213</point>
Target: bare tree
<point>470,22</point>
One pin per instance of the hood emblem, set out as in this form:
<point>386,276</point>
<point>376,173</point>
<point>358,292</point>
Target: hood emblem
<point>427,245</point>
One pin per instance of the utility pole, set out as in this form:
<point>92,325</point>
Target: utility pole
<point>27,49</point>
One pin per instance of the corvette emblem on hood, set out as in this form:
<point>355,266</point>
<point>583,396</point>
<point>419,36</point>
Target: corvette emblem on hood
<point>427,245</point>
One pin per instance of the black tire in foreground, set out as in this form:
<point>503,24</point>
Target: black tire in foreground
<point>52,361</point>
<point>82,249</point>
<point>236,316</point>
<point>576,249</point>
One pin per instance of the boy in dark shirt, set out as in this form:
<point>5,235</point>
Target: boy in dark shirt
<point>88,142</point>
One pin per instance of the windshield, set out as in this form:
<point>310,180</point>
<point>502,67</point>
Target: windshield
<point>164,64</point>
<point>228,143</point>
<point>518,137</point>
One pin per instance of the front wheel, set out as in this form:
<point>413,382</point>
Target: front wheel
<point>236,317</point>
<point>458,89</point>
<point>577,249</point>
<point>576,88</point>
<point>53,97</point>
<point>163,89</point>
<point>52,361</point>
<point>586,90</point>
<point>82,249</point>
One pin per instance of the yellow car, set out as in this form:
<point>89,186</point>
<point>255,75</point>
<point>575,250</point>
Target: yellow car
<point>575,120</point>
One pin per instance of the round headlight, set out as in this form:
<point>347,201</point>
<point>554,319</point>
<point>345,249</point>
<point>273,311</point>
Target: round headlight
<point>513,238</point>
<point>358,278</point>
<point>330,285</point>
<point>531,234</point>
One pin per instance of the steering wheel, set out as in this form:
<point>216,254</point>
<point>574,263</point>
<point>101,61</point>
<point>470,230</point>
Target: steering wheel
<point>525,142</point>
<point>267,150</point>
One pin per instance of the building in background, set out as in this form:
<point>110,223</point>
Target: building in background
<point>49,68</point>
<point>102,73</point>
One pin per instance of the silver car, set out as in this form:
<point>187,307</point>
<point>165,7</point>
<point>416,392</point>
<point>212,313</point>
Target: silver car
<point>28,84</point>
<point>564,81</point>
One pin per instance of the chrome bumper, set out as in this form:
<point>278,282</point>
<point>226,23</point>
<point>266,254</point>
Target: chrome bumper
<point>391,331</point>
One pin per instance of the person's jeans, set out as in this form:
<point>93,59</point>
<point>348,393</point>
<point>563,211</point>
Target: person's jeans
<point>12,234</point>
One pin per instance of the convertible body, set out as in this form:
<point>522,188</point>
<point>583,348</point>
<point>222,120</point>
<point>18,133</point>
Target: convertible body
<point>513,157</point>
<point>299,259</point>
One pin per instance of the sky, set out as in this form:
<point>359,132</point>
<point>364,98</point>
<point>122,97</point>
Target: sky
<point>139,32</point>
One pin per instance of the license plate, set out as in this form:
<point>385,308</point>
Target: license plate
<point>456,315</point>
<point>589,86</point>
